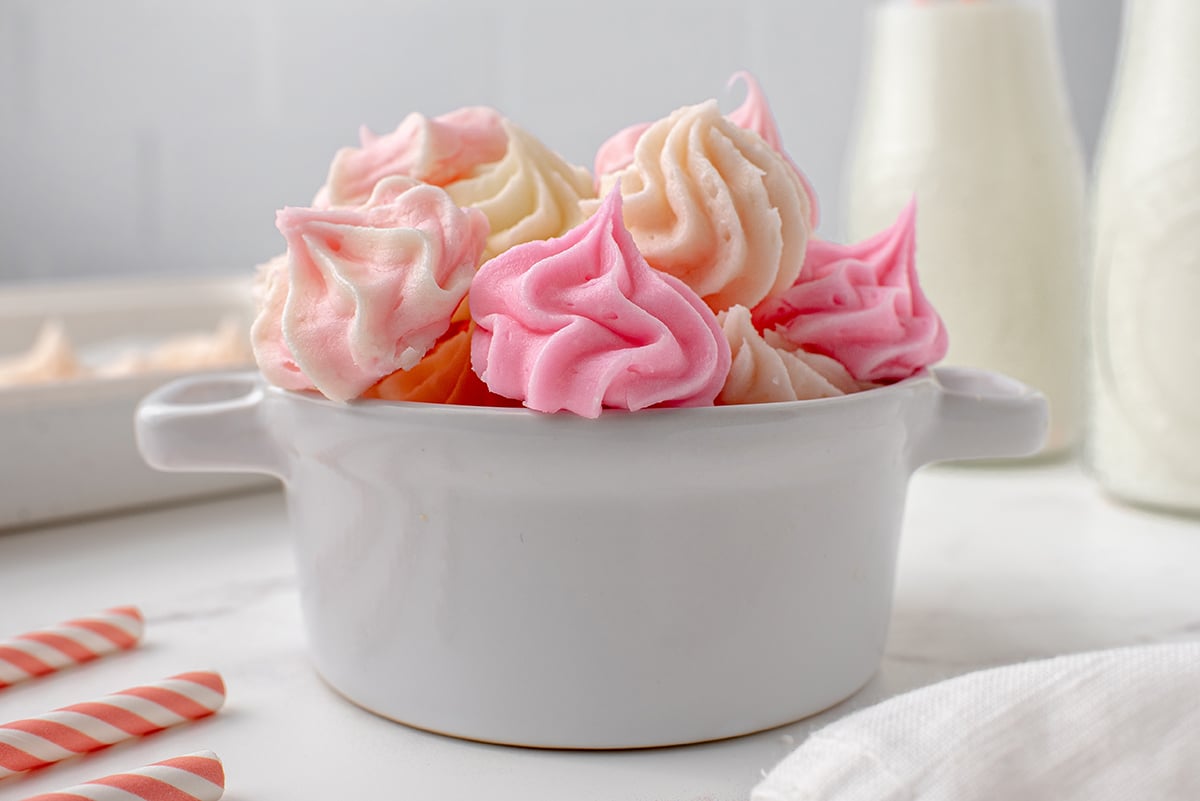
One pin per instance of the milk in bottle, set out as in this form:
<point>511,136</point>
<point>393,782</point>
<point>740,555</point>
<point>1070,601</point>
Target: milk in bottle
<point>963,104</point>
<point>1144,442</point>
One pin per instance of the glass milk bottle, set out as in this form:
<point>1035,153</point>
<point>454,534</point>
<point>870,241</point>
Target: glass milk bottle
<point>963,104</point>
<point>1145,378</point>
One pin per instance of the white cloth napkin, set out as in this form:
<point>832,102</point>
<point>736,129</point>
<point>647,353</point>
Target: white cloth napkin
<point>1121,725</point>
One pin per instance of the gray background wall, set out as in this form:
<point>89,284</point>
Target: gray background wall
<point>141,137</point>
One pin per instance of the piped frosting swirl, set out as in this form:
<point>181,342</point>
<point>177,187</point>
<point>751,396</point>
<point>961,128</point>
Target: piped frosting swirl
<point>531,193</point>
<point>754,114</point>
<point>715,206</point>
<point>369,289</point>
<point>435,151</point>
<point>582,323</point>
<point>767,369</point>
<point>861,304</point>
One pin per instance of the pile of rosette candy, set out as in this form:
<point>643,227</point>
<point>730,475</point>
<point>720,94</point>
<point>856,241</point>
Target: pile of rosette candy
<point>459,260</point>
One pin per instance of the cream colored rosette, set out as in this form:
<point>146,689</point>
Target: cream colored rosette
<point>531,193</point>
<point>767,369</point>
<point>716,206</point>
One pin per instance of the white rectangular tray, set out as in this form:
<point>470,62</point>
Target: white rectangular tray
<point>67,448</point>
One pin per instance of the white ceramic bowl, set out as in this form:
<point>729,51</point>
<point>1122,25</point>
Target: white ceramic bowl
<point>643,579</point>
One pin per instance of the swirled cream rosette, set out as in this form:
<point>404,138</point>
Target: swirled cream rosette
<point>715,206</point>
<point>862,305</point>
<point>366,291</point>
<point>484,161</point>
<point>581,323</point>
<point>765,368</point>
<point>529,194</point>
<point>754,114</point>
<point>438,151</point>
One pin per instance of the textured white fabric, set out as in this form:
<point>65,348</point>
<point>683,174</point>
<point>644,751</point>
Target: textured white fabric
<point>1119,725</point>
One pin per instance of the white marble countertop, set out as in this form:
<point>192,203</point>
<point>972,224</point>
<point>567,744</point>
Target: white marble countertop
<point>997,566</point>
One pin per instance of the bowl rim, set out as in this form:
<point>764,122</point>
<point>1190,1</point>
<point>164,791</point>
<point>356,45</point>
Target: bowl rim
<point>380,406</point>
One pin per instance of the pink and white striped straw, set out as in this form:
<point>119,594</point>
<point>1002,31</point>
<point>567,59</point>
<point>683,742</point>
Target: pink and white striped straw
<point>90,726</point>
<point>72,643</point>
<point>195,777</point>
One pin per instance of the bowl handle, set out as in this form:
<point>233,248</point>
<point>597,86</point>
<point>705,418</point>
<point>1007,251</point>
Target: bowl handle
<point>208,423</point>
<point>977,414</point>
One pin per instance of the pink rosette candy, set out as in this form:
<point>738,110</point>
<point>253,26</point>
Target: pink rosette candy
<point>754,115</point>
<point>435,151</point>
<point>370,289</point>
<point>583,322</point>
<point>861,305</point>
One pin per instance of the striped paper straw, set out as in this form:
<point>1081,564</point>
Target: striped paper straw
<point>80,728</point>
<point>72,643</point>
<point>195,777</point>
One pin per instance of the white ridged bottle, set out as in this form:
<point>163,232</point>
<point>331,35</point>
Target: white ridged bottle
<point>964,105</point>
<point>1144,441</point>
